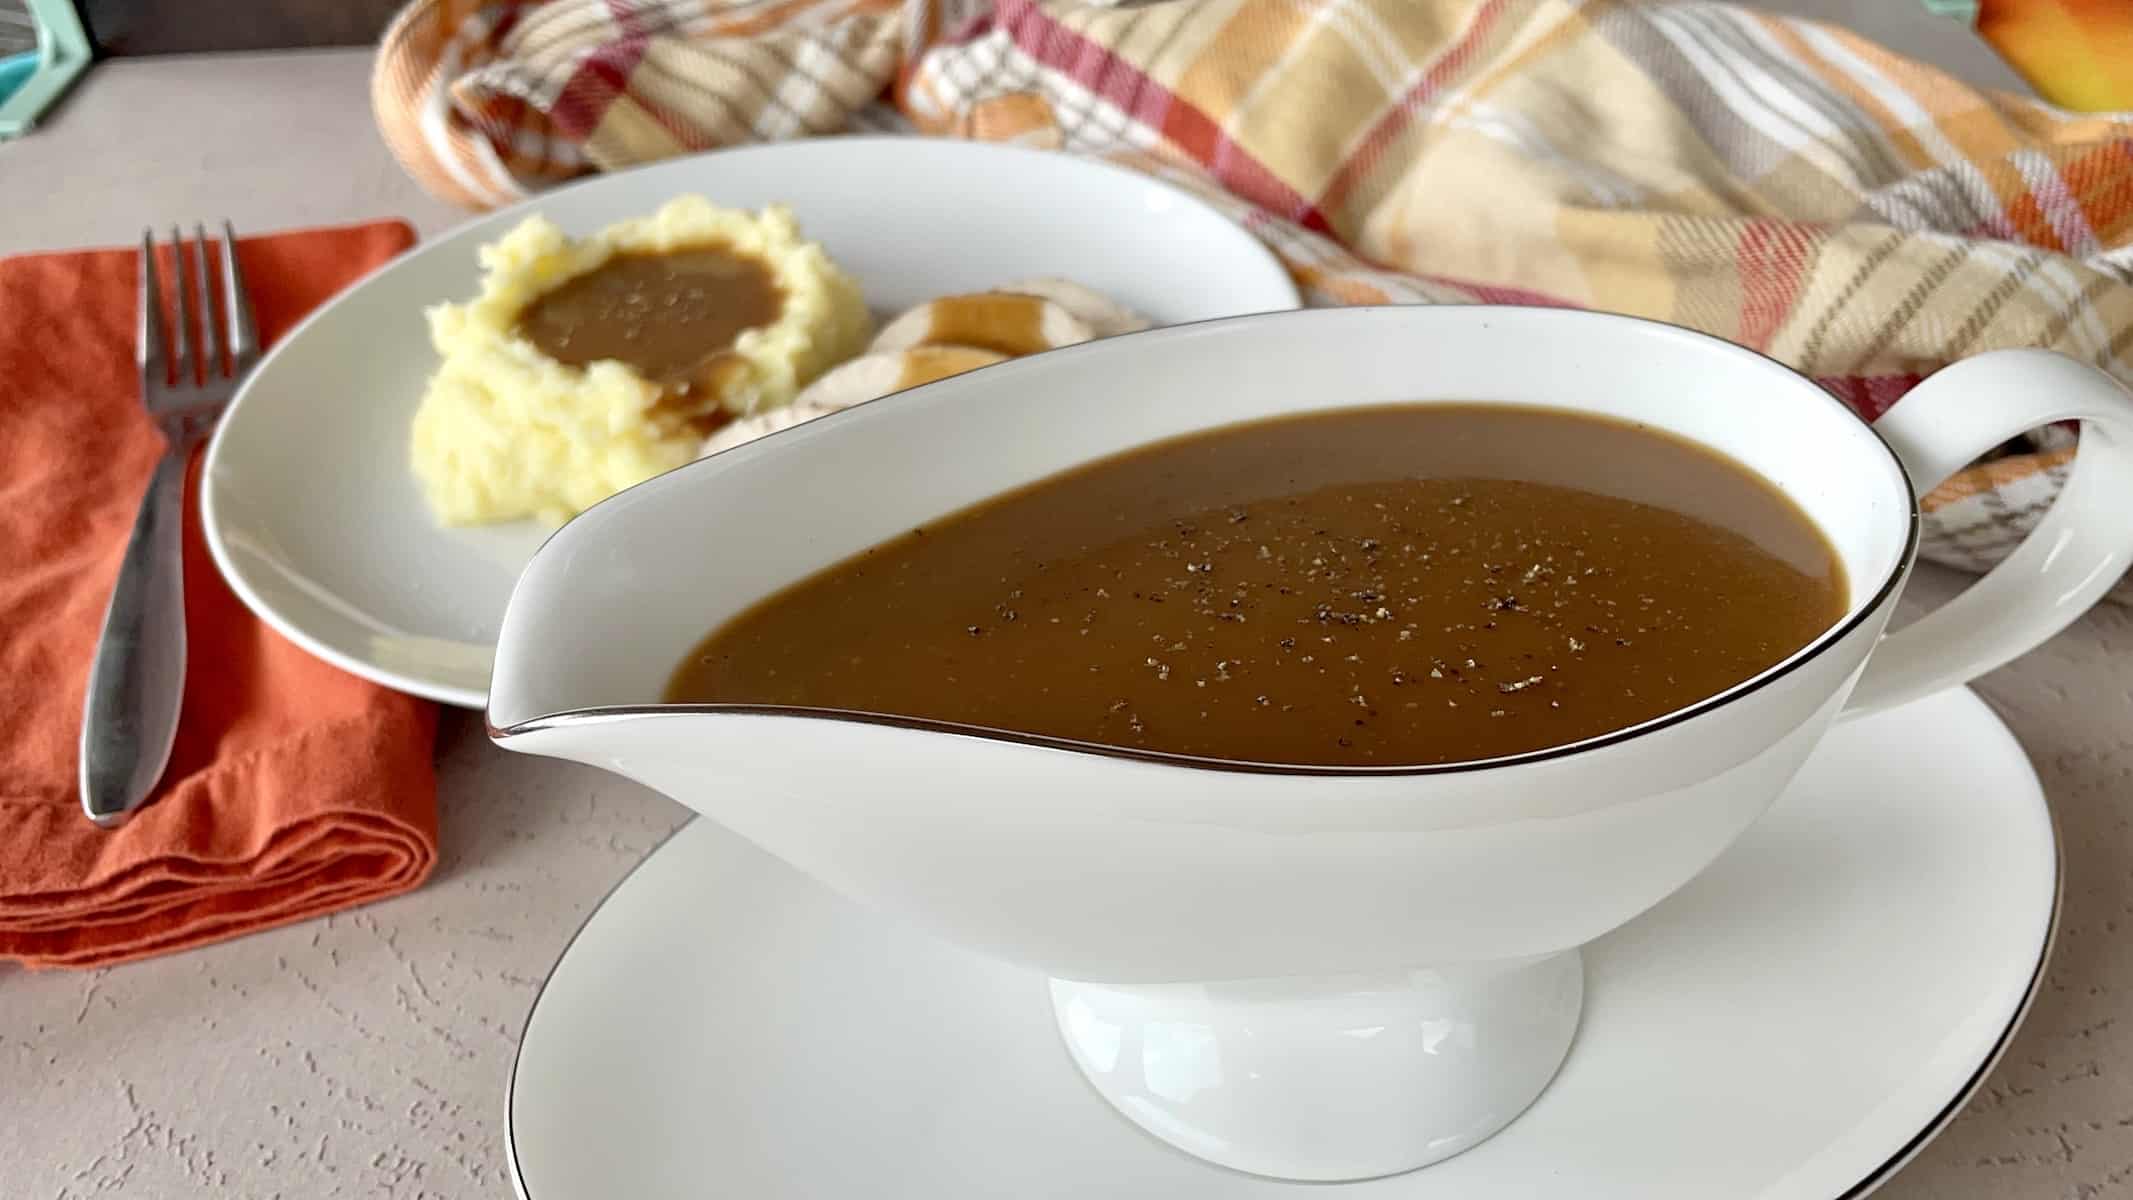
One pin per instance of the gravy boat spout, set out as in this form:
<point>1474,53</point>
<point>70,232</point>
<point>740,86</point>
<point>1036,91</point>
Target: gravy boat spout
<point>1313,973</point>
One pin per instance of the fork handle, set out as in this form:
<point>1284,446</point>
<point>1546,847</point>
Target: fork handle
<point>137,681</point>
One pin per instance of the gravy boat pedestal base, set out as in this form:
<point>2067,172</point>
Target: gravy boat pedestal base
<point>1330,1078</point>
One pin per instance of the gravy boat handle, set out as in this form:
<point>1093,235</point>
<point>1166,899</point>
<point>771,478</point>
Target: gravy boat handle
<point>2066,564</point>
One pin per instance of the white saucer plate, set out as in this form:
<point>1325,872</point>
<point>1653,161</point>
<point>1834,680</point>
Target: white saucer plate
<point>307,502</point>
<point>1793,1025</point>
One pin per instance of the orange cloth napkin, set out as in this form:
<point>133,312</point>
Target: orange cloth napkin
<point>294,789</point>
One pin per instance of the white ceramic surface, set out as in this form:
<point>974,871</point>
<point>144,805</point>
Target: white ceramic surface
<point>1096,865</point>
<point>308,505</point>
<point>1789,1026</point>
<point>1457,1050</point>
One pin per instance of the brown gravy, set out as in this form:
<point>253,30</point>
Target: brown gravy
<point>1396,585</point>
<point>668,316</point>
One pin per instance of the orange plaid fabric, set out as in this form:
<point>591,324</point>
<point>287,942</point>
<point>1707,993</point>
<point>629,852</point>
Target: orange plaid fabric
<point>1780,183</point>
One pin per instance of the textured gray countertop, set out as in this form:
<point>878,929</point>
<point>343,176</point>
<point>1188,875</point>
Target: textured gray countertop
<point>367,1054</point>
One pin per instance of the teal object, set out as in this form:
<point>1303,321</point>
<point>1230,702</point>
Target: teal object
<point>1961,10</point>
<point>16,70</point>
<point>29,83</point>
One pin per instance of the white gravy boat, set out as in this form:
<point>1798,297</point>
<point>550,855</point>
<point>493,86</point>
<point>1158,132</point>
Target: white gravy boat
<point>1305,973</point>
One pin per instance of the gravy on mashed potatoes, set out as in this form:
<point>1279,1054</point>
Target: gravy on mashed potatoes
<point>672,317</point>
<point>588,365</point>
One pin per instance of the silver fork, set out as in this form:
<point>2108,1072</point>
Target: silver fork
<point>137,682</point>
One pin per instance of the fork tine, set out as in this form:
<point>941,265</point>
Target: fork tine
<point>182,344</point>
<point>237,305</point>
<point>211,330</point>
<point>149,351</point>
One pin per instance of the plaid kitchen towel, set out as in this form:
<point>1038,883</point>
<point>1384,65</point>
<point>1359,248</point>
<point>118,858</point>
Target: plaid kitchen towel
<point>1777,182</point>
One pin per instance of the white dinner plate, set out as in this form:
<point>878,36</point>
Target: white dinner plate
<point>307,501</point>
<point>1793,1025</point>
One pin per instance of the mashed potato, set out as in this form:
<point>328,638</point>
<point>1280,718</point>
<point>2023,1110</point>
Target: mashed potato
<point>505,430</point>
